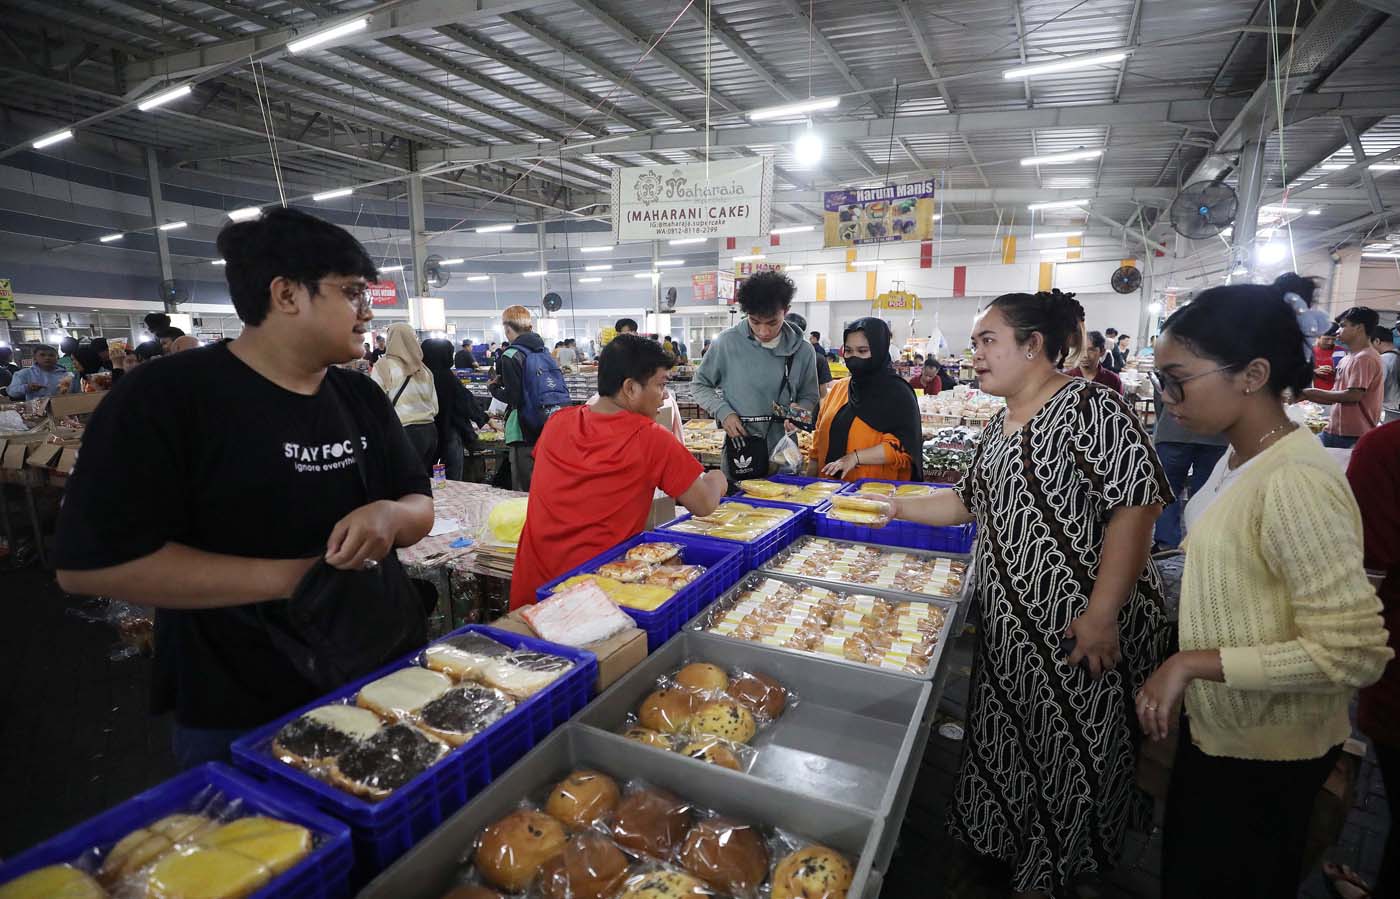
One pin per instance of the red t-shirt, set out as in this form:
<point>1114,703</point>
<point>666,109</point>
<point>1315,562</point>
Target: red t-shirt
<point>594,479</point>
<point>1322,358</point>
<point>935,385</point>
<point>1375,481</point>
<point>1103,376</point>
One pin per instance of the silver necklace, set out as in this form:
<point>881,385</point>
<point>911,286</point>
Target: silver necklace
<point>1276,432</point>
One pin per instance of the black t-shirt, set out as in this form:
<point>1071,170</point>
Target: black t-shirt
<point>197,448</point>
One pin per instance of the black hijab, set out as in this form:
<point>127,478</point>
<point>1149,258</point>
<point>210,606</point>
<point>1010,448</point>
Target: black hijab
<point>437,358</point>
<point>880,398</point>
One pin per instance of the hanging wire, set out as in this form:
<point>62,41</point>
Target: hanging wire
<point>265,110</point>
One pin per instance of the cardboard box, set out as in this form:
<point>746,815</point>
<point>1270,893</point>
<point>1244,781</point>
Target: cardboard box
<point>617,655</point>
<point>67,404</point>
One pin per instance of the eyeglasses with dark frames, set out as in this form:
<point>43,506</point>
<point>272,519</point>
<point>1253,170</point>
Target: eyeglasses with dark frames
<point>1173,388</point>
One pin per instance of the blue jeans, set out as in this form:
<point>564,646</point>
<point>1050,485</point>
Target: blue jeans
<point>1180,460</point>
<point>1334,441</point>
<point>196,745</point>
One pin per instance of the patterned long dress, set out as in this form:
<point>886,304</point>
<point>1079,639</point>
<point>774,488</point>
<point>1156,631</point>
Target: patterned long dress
<point>1047,779</point>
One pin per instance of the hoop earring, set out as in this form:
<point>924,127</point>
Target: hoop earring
<point>1030,355</point>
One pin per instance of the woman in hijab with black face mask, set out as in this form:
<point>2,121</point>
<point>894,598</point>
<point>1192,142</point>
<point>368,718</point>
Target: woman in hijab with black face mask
<point>869,425</point>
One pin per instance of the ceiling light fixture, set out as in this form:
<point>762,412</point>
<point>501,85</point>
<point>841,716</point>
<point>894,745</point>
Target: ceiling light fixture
<point>808,149</point>
<point>1384,167</point>
<point>244,214</point>
<point>1065,65</point>
<point>787,110</point>
<point>452,262</point>
<point>647,275</point>
<point>606,249</point>
<point>56,138</point>
<point>478,277</point>
<point>937,217</point>
<point>1058,158</point>
<point>1057,204</point>
<point>685,241</point>
<point>325,36</point>
<point>668,262</point>
<point>598,268</point>
<point>1051,235</point>
<point>173,226</point>
<point>108,238</point>
<point>793,229</point>
<point>793,268</point>
<point>1380,255</point>
<point>1271,253</point>
<point>390,268</point>
<point>219,262</point>
<point>538,274</point>
<point>867,263</point>
<point>496,229</point>
<point>333,194</point>
<point>757,257</point>
<point>1280,210</point>
<point>164,97</point>
<point>594,280</point>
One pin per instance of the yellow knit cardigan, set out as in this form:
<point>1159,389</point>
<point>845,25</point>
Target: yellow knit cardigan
<point>1274,580</point>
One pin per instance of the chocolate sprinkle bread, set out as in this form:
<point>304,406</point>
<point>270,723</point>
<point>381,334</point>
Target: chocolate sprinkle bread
<point>390,758</point>
<point>477,645</point>
<point>312,739</point>
<point>468,709</point>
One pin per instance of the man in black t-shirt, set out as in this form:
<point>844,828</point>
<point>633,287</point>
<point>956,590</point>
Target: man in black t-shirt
<point>270,457</point>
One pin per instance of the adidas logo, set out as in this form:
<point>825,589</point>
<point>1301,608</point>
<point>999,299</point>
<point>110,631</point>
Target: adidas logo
<point>743,462</point>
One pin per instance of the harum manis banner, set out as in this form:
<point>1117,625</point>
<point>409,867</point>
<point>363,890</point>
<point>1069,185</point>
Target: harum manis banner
<point>878,214</point>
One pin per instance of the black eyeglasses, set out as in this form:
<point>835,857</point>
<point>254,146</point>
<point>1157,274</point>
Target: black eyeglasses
<point>1172,387</point>
<point>356,293</point>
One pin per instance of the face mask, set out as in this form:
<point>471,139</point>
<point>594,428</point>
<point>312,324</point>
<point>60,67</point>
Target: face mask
<point>861,367</point>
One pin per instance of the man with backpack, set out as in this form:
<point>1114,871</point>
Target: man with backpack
<point>529,382</point>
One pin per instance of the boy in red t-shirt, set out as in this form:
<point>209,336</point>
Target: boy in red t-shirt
<point>597,468</point>
<point>928,379</point>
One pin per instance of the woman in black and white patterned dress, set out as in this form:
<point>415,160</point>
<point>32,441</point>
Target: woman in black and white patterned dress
<point>1066,488</point>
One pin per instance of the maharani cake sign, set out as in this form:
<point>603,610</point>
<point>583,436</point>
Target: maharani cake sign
<point>730,198</point>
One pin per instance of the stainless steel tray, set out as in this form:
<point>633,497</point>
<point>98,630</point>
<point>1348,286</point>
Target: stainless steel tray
<point>429,869</point>
<point>933,672</point>
<point>847,587</point>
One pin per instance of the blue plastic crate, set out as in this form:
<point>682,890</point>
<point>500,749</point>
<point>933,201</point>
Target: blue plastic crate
<point>721,558</point>
<point>324,874</point>
<point>382,831</point>
<point>769,543</point>
<point>954,539</point>
<point>803,482</point>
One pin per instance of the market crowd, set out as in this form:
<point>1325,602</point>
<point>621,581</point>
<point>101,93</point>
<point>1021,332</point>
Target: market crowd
<point>1077,662</point>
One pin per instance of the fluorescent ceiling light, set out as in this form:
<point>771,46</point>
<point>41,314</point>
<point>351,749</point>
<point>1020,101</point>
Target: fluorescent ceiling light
<point>1380,255</point>
<point>793,229</point>
<point>452,262</point>
<point>1334,166</point>
<point>390,268</point>
<point>244,214</point>
<point>807,150</point>
<point>793,268</point>
<point>1271,253</point>
<point>593,280</point>
<point>668,262</point>
<point>1384,167</point>
<point>1051,235</point>
<point>607,249</point>
<point>758,257</point>
<point>56,138</point>
<point>1280,209</point>
<point>937,217</point>
<point>539,274</point>
<point>493,229</point>
<point>173,226</point>
<point>333,194</point>
<point>325,36</point>
<point>598,268</point>
<point>684,241</point>
<point>164,97</point>
<point>1065,65</point>
<point>1057,204</point>
<point>219,262</point>
<point>787,110</point>
<point>647,275</point>
<point>108,238</point>
<point>867,263</point>
<point>1057,158</point>
<point>478,277</point>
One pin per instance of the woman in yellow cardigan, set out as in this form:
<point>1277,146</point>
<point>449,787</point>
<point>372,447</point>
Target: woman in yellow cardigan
<point>1279,626</point>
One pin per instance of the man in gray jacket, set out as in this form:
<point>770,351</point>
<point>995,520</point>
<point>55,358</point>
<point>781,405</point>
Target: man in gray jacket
<point>758,362</point>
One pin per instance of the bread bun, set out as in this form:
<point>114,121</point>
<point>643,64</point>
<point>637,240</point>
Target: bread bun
<point>206,872</point>
<point>583,798</point>
<point>704,677</point>
<point>665,885</point>
<point>726,719</point>
<point>512,850</point>
<point>813,872</point>
<point>760,694</point>
<point>590,867</point>
<point>651,822</point>
<point>54,880</point>
<point>729,856</point>
<point>668,710</point>
<point>648,737</point>
<point>714,751</point>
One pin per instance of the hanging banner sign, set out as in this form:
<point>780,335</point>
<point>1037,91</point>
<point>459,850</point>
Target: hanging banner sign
<point>728,198</point>
<point>878,214</point>
<point>898,299</point>
<point>749,269</point>
<point>704,287</point>
<point>7,299</point>
<point>382,293</point>
<point>726,287</point>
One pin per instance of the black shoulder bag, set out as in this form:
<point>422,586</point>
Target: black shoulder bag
<point>747,457</point>
<point>340,625</point>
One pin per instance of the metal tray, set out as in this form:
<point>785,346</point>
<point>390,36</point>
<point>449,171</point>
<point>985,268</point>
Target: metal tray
<point>933,672</point>
<point>846,587</point>
<point>429,869</point>
<point>848,736</point>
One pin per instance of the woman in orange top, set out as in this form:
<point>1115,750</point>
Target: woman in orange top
<point>869,425</point>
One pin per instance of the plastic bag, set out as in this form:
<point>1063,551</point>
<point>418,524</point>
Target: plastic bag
<point>505,523</point>
<point>869,510</point>
<point>787,456</point>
